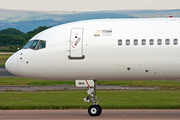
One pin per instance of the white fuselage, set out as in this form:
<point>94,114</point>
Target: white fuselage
<point>104,50</point>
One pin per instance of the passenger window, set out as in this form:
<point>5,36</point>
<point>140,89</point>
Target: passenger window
<point>143,42</point>
<point>167,41</point>
<point>33,45</point>
<point>42,44</point>
<point>135,42</point>
<point>159,41</point>
<point>151,42</point>
<point>127,42</point>
<point>28,44</point>
<point>119,42</point>
<point>175,41</point>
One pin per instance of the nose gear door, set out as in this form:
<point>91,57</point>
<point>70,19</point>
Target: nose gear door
<point>76,44</point>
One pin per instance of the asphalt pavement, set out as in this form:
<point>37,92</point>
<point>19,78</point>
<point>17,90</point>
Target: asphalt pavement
<point>5,73</point>
<point>77,114</point>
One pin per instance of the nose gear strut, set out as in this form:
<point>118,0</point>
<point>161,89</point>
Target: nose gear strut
<point>94,109</point>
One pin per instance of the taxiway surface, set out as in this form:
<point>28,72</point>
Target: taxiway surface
<point>69,87</point>
<point>140,114</point>
<point>5,73</point>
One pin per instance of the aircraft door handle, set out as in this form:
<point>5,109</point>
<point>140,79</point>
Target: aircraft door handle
<point>77,41</point>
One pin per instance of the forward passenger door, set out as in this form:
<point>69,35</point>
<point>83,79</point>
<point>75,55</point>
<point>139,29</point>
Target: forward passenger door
<point>76,44</point>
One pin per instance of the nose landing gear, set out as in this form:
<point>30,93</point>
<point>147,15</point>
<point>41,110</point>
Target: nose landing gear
<point>94,109</point>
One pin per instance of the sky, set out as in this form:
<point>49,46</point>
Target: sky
<point>88,5</point>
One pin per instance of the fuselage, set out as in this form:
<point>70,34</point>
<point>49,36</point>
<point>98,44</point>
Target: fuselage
<point>105,49</point>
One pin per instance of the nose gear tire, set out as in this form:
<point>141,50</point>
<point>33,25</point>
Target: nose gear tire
<point>94,110</point>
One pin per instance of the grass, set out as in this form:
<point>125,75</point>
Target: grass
<point>3,58</point>
<point>28,81</point>
<point>155,99</point>
<point>142,83</point>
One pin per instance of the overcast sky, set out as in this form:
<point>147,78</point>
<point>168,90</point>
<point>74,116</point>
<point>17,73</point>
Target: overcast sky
<point>88,5</point>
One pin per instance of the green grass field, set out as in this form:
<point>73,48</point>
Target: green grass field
<point>28,81</point>
<point>67,99</point>
<point>155,99</point>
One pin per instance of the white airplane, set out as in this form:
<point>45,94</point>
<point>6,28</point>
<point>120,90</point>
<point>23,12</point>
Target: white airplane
<point>104,49</point>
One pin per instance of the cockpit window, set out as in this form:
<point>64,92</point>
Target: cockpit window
<point>33,45</point>
<point>28,44</point>
<point>42,44</point>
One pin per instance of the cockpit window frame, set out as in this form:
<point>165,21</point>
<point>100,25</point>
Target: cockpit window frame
<point>36,45</point>
<point>27,44</point>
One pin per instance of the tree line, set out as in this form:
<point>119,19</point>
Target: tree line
<point>12,39</point>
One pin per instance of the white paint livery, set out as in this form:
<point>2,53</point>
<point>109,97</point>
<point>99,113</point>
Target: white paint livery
<point>100,57</point>
<point>89,50</point>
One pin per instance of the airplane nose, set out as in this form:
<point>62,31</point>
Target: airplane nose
<point>11,64</point>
